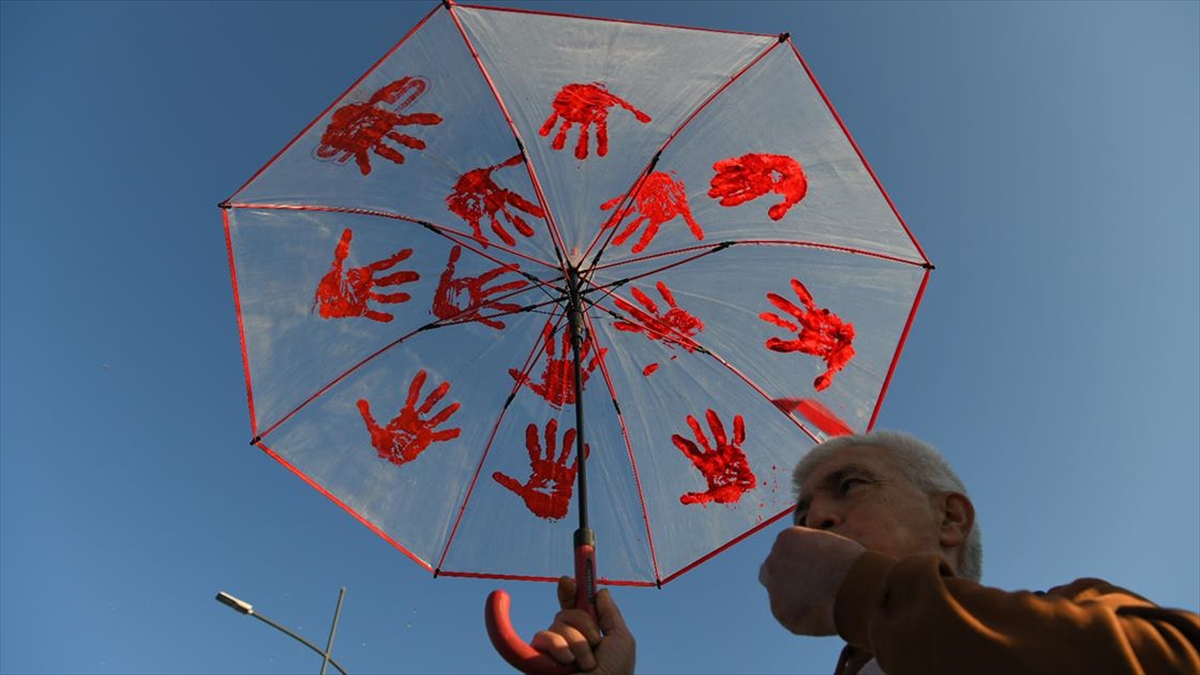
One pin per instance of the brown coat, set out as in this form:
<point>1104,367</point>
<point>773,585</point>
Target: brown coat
<point>915,616</point>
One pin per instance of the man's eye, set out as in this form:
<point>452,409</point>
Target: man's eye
<point>849,484</point>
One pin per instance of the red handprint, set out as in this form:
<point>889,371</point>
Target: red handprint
<point>741,179</point>
<point>724,466</point>
<point>662,197</point>
<point>558,377</point>
<point>676,327</point>
<point>449,303</point>
<point>585,105</point>
<point>476,195</point>
<point>357,129</point>
<point>408,435</point>
<point>821,333</point>
<point>547,493</point>
<point>342,294</point>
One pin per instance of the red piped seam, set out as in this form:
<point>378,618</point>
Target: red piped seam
<point>335,101</point>
<point>631,22</point>
<point>760,392</point>
<point>524,577</point>
<point>452,234</point>
<point>384,348</point>
<point>701,348</point>
<point>611,289</point>
<point>335,500</point>
<point>731,542</point>
<point>861,157</point>
<point>899,348</point>
<point>646,170</point>
<point>555,236</point>
<point>530,362</point>
<point>337,379</point>
<point>712,248</point>
<point>628,444</point>
<point>237,302</point>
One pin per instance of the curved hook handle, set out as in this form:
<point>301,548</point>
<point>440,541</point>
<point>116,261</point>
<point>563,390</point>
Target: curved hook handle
<point>516,651</point>
<point>509,645</point>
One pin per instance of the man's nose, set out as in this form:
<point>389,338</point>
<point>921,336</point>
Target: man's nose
<point>823,515</point>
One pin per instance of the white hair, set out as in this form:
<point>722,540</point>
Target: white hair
<point>920,463</point>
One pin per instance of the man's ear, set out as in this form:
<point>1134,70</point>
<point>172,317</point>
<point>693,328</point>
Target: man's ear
<point>958,518</point>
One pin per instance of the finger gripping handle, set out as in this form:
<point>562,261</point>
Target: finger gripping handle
<point>508,644</point>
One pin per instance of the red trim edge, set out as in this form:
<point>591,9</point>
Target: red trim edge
<point>335,500</point>
<point>858,150</point>
<point>237,303</point>
<point>731,542</point>
<point>887,380</point>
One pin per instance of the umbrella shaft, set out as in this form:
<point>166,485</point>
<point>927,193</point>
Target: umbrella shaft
<point>575,319</point>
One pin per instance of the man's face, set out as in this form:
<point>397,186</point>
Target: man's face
<point>860,493</point>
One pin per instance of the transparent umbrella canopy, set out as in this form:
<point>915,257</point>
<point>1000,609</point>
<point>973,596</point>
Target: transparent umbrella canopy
<point>403,272</point>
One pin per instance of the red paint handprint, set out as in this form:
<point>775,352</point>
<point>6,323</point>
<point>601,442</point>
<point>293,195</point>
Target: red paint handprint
<point>723,463</point>
<point>357,129</point>
<point>821,333</point>
<point>558,377</point>
<point>661,198</point>
<point>409,434</point>
<point>449,303</point>
<point>585,105</point>
<point>342,294</point>
<point>476,195</point>
<point>741,179</point>
<point>547,493</point>
<point>675,328</point>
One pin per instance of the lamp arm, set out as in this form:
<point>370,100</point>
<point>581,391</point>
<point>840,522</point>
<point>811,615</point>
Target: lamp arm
<point>306,643</point>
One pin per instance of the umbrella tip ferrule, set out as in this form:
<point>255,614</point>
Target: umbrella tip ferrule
<point>783,37</point>
<point>224,205</point>
<point>255,440</point>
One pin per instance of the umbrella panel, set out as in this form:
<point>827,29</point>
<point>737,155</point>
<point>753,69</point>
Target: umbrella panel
<point>540,63</point>
<point>305,323</point>
<point>727,292</point>
<point>419,136</point>
<point>770,140</point>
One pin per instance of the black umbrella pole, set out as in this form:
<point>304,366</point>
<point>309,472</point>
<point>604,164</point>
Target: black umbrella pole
<point>511,646</point>
<point>585,540</point>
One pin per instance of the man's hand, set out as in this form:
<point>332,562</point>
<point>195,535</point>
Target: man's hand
<point>802,575</point>
<point>575,639</point>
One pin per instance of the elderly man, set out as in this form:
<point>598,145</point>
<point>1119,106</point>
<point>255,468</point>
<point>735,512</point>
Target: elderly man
<point>885,552</point>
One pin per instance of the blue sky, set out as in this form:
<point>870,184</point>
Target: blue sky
<point>1046,156</point>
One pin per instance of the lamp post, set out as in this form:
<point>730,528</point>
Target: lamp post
<point>243,607</point>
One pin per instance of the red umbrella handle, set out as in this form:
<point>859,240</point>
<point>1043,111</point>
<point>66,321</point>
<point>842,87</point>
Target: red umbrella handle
<point>512,647</point>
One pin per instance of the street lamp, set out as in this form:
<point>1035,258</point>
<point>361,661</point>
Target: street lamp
<point>243,607</point>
